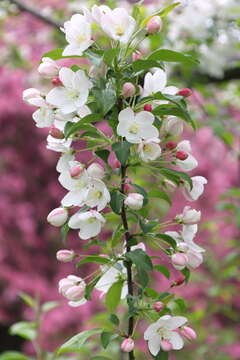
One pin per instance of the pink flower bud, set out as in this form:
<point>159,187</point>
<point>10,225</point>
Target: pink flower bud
<point>128,90</point>
<point>134,201</point>
<point>65,255</point>
<point>166,345</point>
<point>96,171</point>
<point>58,216</point>
<point>33,96</point>
<point>179,260</point>
<point>179,281</point>
<point>76,171</point>
<point>56,133</point>
<point>185,92</point>
<point>188,333</point>
<point>116,164</point>
<point>170,145</point>
<point>56,81</point>
<point>48,68</point>
<point>137,56</point>
<point>75,293</point>
<point>147,107</point>
<point>127,345</point>
<point>154,25</point>
<point>181,155</point>
<point>127,188</point>
<point>158,306</point>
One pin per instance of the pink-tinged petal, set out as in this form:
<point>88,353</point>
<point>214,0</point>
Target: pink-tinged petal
<point>176,340</point>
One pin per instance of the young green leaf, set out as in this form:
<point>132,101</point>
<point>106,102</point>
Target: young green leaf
<point>107,337</point>
<point>113,296</point>
<point>163,270</point>
<point>105,99</point>
<point>103,154</point>
<point>116,202</point>
<point>172,56</point>
<point>168,239</point>
<point>114,319</point>
<point>24,329</point>
<point>93,259</point>
<point>122,151</point>
<point>72,128</point>
<point>77,341</point>
<point>140,258</point>
<point>14,355</point>
<point>155,193</point>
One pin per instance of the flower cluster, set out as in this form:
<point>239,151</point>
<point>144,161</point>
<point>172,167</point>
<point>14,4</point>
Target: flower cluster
<point>144,125</point>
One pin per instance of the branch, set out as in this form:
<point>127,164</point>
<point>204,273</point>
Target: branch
<point>26,8</point>
<point>128,264</point>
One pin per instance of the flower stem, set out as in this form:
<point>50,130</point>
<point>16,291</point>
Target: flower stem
<point>128,264</point>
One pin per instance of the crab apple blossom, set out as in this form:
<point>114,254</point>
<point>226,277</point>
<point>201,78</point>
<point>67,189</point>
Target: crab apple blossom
<point>136,127</point>
<point>134,201</point>
<point>65,255</point>
<point>197,190</point>
<point>44,117</point>
<point>74,92</point>
<point>48,68</point>
<point>158,306</point>
<point>154,25</point>
<point>97,195</point>
<point>170,145</point>
<point>162,330</point>
<point>127,345</point>
<point>128,90</point>
<point>64,161</point>
<point>58,216</point>
<point>173,126</point>
<point>157,82</point>
<point>96,14</point>
<point>89,223</point>
<point>96,171</point>
<point>149,150</point>
<point>76,170</point>
<point>78,35</point>
<point>58,145</point>
<point>118,24</point>
<point>188,333</point>
<point>179,260</point>
<point>187,163</point>
<point>189,216</point>
<point>33,97</point>
<point>73,288</point>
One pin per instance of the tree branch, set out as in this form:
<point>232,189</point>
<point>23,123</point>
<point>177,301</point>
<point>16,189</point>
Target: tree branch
<point>128,264</point>
<point>29,9</point>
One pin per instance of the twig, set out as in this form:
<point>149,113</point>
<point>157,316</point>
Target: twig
<point>26,8</point>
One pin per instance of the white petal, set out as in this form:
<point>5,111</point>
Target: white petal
<point>154,344</point>
<point>189,164</point>
<point>126,115</point>
<point>185,146</point>
<point>90,230</point>
<point>77,303</point>
<point>151,331</point>
<point>144,117</point>
<point>66,76</point>
<point>176,340</point>
<point>73,198</point>
<point>148,131</point>
<point>175,322</point>
<point>159,80</point>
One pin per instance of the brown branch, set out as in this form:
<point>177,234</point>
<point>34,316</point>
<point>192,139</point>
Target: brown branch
<point>22,6</point>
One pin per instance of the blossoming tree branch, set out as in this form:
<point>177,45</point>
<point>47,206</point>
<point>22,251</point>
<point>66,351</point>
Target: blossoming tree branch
<point>128,116</point>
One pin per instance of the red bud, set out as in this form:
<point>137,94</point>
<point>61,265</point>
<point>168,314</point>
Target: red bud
<point>171,145</point>
<point>147,107</point>
<point>57,82</point>
<point>181,155</point>
<point>185,92</point>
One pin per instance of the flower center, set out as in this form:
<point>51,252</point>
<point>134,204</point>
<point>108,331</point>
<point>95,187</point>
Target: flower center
<point>119,30</point>
<point>91,220</point>
<point>147,148</point>
<point>73,94</point>
<point>163,332</point>
<point>98,194</point>
<point>81,38</point>
<point>134,128</point>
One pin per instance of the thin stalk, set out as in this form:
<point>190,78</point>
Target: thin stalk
<point>129,264</point>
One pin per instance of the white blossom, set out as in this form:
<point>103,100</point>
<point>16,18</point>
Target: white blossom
<point>157,82</point>
<point>97,195</point>
<point>149,149</point>
<point>189,216</point>
<point>136,127</point>
<point>190,162</point>
<point>89,223</point>
<point>164,329</point>
<point>73,288</point>
<point>118,24</point>
<point>74,92</point>
<point>198,183</point>
<point>58,145</point>
<point>78,34</point>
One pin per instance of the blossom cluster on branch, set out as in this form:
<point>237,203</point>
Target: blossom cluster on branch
<point>144,117</point>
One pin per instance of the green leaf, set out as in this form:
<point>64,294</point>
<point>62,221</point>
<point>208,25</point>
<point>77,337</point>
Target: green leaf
<point>164,12</point>
<point>122,151</point>
<point>168,239</point>
<point>181,304</point>
<point>24,329</point>
<point>103,154</point>
<point>155,193</point>
<point>107,337</point>
<point>28,300</point>
<point>163,270</point>
<point>140,258</point>
<point>77,341</point>
<point>186,272</point>
<point>105,98</point>
<point>13,355</point>
<point>114,319</point>
<point>93,259</point>
<point>71,128</point>
<point>146,64</point>
<point>90,287</point>
<point>110,55</point>
<point>113,296</point>
<point>64,232</point>
<point>175,176</point>
<point>172,56</point>
<point>147,226</point>
<point>163,355</point>
<point>56,54</point>
<point>50,305</point>
<point>116,202</point>
<point>168,109</point>
<point>143,277</point>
